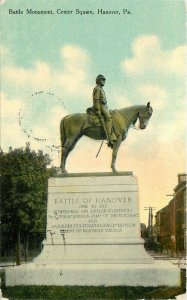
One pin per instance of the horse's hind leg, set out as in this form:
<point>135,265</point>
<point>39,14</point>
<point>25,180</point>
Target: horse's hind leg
<point>66,149</point>
<point>64,154</point>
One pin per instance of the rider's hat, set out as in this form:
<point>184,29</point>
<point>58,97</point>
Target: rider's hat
<point>100,77</point>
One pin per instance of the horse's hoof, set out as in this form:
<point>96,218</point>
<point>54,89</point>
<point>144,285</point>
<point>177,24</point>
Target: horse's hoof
<point>114,170</point>
<point>63,171</point>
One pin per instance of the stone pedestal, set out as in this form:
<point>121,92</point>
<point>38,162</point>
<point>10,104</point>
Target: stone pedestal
<point>93,236</point>
<point>93,219</point>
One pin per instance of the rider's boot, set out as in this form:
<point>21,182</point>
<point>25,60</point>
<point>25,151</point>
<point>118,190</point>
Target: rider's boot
<point>110,144</point>
<point>111,139</point>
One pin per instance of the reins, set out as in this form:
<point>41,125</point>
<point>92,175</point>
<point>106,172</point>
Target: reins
<point>132,126</point>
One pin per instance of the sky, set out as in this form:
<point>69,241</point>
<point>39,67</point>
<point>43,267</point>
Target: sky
<point>48,68</point>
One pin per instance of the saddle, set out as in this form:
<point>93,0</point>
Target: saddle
<point>92,118</point>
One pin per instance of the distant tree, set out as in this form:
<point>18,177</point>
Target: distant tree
<point>24,177</point>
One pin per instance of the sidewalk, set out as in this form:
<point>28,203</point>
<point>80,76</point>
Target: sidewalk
<point>7,264</point>
<point>181,297</point>
<point>164,256</point>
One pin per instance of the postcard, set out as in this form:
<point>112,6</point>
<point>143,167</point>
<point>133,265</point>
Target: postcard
<point>93,87</point>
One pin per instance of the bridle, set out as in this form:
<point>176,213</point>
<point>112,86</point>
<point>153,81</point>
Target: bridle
<point>138,116</point>
<point>132,126</point>
<point>147,110</point>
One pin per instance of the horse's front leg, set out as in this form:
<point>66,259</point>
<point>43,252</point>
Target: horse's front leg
<point>116,146</point>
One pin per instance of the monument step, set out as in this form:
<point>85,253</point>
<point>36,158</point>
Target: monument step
<point>158,274</point>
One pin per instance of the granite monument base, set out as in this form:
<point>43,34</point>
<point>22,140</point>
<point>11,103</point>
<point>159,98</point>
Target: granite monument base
<point>93,237</point>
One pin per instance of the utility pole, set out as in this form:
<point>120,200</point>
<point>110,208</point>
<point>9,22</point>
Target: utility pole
<point>173,225</point>
<point>150,243</point>
<point>150,220</point>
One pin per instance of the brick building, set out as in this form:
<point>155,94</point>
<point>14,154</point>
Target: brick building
<point>171,221</point>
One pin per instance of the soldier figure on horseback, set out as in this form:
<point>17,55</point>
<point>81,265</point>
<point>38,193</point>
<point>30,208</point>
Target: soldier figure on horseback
<point>101,109</point>
<point>114,127</point>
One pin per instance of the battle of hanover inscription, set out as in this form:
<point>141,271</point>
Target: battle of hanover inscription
<point>92,214</point>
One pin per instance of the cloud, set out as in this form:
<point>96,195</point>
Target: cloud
<point>177,60</point>
<point>119,97</point>
<point>154,93</point>
<point>173,130</point>
<point>156,75</point>
<point>155,159</point>
<point>76,57</point>
<point>41,113</point>
<point>151,154</point>
<point>39,76</point>
<point>43,127</point>
<point>71,78</point>
<point>2,1</point>
<point>11,132</point>
<point>148,56</point>
<point>74,77</point>
<point>3,50</point>
<point>10,109</point>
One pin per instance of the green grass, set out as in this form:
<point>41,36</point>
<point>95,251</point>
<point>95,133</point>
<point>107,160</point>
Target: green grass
<point>89,292</point>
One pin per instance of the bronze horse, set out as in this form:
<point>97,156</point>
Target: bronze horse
<point>73,127</point>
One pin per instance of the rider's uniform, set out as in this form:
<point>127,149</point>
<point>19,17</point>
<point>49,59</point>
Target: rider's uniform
<point>101,108</point>
<point>100,102</point>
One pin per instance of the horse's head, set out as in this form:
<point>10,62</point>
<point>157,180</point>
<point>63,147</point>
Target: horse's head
<point>144,115</point>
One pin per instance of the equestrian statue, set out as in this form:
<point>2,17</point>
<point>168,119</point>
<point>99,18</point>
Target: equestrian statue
<point>101,124</point>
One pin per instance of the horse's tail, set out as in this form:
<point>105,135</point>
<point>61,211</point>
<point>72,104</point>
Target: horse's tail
<point>62,132</point>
